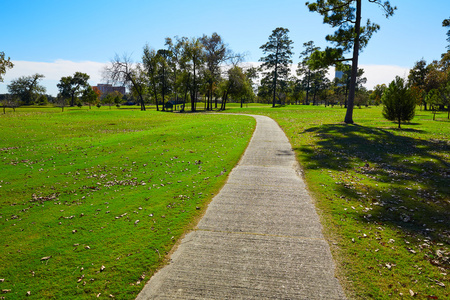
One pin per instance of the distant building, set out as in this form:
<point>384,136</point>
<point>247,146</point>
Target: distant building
<point>338,75</point>
<point>106,89</point>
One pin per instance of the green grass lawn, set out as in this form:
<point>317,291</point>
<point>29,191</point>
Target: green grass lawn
<point>91,201</point>
<point>383,195</point>
<point>117,188</point>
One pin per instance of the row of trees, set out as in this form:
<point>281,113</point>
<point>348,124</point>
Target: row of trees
<point>190,67</point>
<point>187,69</point>
<point>178,70</point>
<point>430,83</point>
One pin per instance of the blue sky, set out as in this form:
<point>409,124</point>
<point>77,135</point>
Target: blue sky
<point>58,38</point>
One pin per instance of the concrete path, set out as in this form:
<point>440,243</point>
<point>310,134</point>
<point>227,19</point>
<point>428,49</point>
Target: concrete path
<point>260,237</point>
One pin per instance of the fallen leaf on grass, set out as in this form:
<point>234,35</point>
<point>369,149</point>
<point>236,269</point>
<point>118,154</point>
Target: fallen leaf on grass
<point>440,283</point>
<point>390,266</point>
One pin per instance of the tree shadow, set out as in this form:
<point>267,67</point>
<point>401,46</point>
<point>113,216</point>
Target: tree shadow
<point>405,180</point>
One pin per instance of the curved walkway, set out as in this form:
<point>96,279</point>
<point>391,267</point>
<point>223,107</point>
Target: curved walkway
<point>260,237</point>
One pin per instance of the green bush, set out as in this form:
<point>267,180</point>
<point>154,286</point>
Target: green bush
<point>399,104</point>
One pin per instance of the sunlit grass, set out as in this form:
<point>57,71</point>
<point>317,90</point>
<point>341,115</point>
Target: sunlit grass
<point>104,193</point>
<point>383,195</point>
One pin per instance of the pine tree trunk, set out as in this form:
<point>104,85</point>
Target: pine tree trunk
<point>274,85</point>
<point>351,96</point>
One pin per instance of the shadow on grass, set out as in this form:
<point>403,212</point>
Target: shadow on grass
<point>405,179</point>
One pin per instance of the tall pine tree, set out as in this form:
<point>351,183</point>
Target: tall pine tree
<point>345,15</point>
<point>278,57</point>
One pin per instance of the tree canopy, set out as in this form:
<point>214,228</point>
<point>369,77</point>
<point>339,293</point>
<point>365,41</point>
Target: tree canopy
<point>72,86</point>
<point>27,88</point>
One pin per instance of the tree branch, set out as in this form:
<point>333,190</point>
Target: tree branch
<point>386,6</point>
<point>323,10</point>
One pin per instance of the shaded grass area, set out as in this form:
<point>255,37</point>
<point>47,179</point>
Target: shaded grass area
<point>92,201</point>
<point>383,195</point>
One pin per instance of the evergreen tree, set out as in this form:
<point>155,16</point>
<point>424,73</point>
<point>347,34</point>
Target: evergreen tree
<point>446,23</point>
<point>346,16</point>
<point>278,57</point>
<point>304,69</point>
<point>399,104</point>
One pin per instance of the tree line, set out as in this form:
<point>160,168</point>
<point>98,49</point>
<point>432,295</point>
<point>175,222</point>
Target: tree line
<point>189,70</point>
<point>205,68</point>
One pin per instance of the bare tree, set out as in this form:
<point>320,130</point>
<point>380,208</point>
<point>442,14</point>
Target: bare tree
<point>122,71</point>
<point>9,101</point>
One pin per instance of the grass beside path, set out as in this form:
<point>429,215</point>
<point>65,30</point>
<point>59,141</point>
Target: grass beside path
<point>91,201</point>
<point>383,195</point>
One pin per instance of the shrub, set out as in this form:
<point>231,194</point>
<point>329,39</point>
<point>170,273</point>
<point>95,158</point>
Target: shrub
<point>399,104</point>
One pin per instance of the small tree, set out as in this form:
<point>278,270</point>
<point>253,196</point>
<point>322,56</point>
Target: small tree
<point>434,100</point>
<point>61,101</point>
<point>399,104</point>
<point>117,98</point>
<point>377,93</point>
<point>9,101</point>
<point>89,96</point>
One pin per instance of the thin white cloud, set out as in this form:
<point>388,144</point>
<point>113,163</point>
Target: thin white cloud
<point>53,71</point>
<point>379,74</point>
